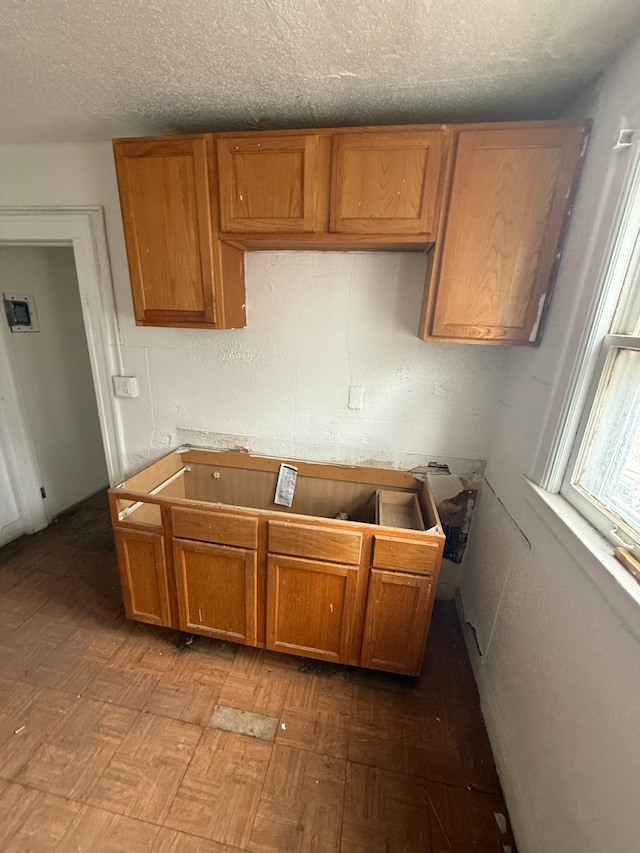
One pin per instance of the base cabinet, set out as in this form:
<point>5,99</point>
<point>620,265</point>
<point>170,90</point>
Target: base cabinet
<point>217,590</point>
<point>202,547</point>
<point>143,576</point>
<point>310,607</point>
<point>395,630</point>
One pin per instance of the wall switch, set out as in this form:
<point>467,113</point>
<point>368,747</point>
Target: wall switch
<point>125,386</point>
<point>356,396</point>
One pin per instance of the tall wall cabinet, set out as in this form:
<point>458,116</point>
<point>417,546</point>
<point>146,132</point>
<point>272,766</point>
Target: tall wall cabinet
<point>488,203</point>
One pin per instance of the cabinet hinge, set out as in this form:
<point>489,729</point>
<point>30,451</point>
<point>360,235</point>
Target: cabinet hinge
<point>43,492</point>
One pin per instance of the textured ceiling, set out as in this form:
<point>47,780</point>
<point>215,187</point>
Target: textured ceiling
<point>94,69</point>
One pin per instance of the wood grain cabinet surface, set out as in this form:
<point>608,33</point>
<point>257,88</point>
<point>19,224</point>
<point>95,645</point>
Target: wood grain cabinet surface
<point>387,182</point>
<point>217,590</point>
<point>256,573</point>
<point>269,184</point>
<point>395,629</point>
<point>181,273</point>
<point>310,607</point>
<point>143,575</point>
<point>488,203</point>
<point>507,207</point>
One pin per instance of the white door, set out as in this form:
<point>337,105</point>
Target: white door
<point>53,373</point>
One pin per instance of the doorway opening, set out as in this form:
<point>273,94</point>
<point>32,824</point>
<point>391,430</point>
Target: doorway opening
<point>50,361</point>
<point>60,427</point>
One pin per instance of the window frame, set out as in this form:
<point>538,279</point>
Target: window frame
<point>620,278</point>
<point>606,521</point>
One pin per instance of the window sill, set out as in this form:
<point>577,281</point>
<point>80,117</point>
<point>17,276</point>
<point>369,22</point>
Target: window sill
<point>591,551</point>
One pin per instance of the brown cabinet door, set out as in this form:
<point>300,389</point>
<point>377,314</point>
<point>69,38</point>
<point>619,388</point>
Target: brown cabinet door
<point>166,209</point>
<point>217,588</point>
<point>396,621</point>
<point>310,607</point>
<point>507,210</point>
<point>269,184</point>
<point>143,576</point>
<point>387,182</point>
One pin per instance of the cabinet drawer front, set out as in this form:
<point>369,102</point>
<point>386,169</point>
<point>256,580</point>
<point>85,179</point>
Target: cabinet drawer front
<point>405,555</point>
<point>317,543</point>
<point>221,527</point>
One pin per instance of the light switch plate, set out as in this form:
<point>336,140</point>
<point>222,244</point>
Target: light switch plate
<point>356,396</point>
<point>125,386</point>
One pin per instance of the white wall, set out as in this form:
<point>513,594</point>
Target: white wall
<point>559,674</point>
<point>317,323</point>
<point>53,373</point>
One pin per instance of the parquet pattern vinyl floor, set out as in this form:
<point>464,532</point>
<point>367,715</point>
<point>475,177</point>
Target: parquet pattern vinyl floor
<point>105,742</point>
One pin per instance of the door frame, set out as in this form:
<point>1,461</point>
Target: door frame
<point>83,229</point>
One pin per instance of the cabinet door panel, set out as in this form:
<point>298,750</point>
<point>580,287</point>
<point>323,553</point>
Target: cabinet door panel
<point>506,214</point>
<point>310,607</point>
<point>166,208</point>
<point>396,621</point>
<point>387,182</point>
<point>268,184</point>
<point>216,588</point>
<point>143,576</point>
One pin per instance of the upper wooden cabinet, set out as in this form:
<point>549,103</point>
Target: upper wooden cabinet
<point>507,207</point>
<point>488,202</point>
<point>269,183</point>
<point>181,275</point>
<point>387,182</point>
<point>332,187</point>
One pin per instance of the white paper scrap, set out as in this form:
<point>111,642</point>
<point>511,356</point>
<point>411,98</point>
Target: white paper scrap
<point>286,485</point>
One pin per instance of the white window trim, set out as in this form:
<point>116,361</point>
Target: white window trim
<point>604,522</point>
<point>590,551</point>
<point>592,318</point>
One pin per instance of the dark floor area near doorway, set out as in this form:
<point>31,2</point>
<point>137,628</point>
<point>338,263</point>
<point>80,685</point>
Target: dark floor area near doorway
<point>106,744</point>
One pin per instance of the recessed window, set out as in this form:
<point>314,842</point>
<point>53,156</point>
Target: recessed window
<point>603,476</point>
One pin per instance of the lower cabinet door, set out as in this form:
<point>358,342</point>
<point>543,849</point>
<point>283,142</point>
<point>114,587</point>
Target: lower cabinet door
<point>143,575</point>
<point>310,607</point>
<point>396,621</point>
<point>217,588</point>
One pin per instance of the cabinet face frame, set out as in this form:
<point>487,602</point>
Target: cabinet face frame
<point>146,579</point>
<point>248,566</point>
<point>277,567</point>
<point>446,276</point>
<point>400,147</point>
<point>298,190</point>
<point>196,150</point>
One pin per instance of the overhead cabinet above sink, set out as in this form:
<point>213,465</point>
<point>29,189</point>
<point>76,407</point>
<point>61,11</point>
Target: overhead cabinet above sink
<point>492,199</point>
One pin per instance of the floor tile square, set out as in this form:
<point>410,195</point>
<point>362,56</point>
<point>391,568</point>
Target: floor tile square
<point>72,760</point>
<point>146,770</point>
<point>219,795</point>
